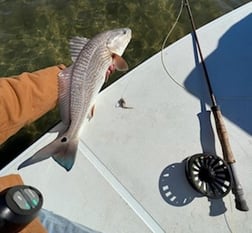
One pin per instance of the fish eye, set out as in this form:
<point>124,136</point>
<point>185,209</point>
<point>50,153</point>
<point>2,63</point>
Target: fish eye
<point>124,31</point>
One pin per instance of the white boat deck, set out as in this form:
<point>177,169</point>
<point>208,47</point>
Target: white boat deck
<point>129,173</point>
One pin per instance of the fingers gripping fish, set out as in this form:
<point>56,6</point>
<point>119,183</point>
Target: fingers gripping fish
<point>93,61</point>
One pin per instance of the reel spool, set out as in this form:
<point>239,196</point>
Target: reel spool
<point>209,175</point>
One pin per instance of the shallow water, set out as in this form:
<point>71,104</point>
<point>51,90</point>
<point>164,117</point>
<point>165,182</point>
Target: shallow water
<point>34,34</point>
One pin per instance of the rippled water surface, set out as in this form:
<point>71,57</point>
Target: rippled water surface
<point>34,34</point>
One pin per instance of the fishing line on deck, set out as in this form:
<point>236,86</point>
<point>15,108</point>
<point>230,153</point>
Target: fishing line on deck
<point>121,103</point>
<point>164,42</point>
<point>241,98</point>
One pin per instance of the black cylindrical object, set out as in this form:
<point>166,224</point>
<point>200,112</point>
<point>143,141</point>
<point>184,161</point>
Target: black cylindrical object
<point>19,205</point>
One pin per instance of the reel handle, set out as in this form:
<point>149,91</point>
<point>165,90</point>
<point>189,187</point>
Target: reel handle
<point>237,190</point>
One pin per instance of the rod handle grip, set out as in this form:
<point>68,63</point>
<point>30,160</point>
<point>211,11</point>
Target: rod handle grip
<point>223,135</point>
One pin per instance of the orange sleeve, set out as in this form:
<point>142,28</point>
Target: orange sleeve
<point>12,180</point>
<point>25,98</point>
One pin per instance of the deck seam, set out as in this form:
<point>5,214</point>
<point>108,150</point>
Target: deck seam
<point>124,193</point>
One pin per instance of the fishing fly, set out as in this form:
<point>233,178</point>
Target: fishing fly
<point>121,103</point>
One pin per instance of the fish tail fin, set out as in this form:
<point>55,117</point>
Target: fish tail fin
<point>61,149</point>
<point>65,157</point>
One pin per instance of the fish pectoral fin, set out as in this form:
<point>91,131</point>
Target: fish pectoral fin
<point>91,113</point>
<point>120,63</point>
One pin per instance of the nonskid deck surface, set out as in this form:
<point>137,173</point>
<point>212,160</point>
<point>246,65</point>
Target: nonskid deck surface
<point>129,174</point>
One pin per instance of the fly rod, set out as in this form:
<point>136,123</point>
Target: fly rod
<point>237,190</point>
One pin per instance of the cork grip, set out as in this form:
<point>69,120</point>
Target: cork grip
<point>223,136</point>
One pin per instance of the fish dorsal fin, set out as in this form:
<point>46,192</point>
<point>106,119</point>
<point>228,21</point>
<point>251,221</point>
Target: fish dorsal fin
<point>120,63</point>
<point>76,45</point>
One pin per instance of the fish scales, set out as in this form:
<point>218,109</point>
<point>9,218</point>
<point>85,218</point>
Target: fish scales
<point>79,84</point>
<point>87,80</point>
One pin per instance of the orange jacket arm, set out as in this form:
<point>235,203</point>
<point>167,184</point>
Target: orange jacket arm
<point>25,98</point>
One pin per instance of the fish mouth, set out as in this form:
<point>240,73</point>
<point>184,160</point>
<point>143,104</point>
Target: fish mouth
<point>116,44</point>
<point>119,41</point>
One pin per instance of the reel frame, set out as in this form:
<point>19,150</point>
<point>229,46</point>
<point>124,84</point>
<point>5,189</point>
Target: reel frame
<point>209,175</point>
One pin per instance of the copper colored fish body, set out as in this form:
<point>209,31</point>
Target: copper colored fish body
<point>79,84</point>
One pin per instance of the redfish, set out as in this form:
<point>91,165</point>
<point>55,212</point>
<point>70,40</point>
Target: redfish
<point>79,84</point>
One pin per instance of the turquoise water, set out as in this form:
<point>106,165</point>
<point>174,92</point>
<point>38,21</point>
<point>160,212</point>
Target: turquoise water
<point>34,34</point>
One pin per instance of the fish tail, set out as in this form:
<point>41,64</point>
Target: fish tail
<point>65,157</point>
<point>61,149</point>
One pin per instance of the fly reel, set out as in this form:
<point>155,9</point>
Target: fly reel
<point>209,175</point>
